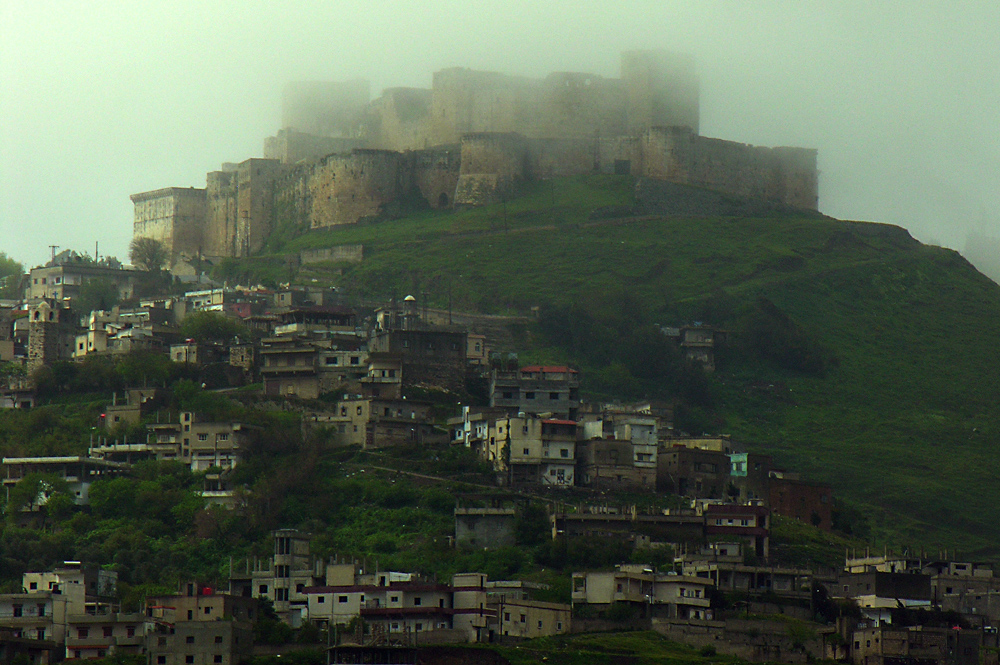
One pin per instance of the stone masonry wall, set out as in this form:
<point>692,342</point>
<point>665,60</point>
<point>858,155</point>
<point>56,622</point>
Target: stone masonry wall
<point>346,253</point>
<point>346,188</point>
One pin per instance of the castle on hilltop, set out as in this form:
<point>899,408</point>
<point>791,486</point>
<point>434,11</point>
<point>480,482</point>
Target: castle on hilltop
<point>471,138</point>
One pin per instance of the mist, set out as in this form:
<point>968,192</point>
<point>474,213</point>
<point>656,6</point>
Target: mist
<point>102,100</point>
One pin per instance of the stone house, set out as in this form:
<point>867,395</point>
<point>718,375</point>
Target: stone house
<point>692,472</point>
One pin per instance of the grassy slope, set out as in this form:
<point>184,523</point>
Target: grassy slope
<point>904,427</point>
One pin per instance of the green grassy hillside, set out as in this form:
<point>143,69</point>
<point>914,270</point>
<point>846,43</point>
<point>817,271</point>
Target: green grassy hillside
<point>901,419</point>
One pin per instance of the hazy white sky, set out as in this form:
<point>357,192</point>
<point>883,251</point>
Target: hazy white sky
<point>99,100</point>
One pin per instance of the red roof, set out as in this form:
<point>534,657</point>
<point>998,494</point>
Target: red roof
<point>553,369</point>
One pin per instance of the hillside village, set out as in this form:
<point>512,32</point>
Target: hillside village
<point>385,383</point>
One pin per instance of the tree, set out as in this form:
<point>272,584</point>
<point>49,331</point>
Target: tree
<point>99,293</point>
<point>211,327</point>
<point>148,253</point>
<point>11,273</point>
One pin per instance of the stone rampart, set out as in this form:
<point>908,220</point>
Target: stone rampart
<point>344,189</point>
<point>493,165</point>
<point>400,119</point>
<point>345,253</point>
<point>435,174</point>
<point>777,175</point>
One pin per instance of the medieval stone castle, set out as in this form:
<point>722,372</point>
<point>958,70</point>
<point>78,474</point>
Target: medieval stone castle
<point>472,137</point>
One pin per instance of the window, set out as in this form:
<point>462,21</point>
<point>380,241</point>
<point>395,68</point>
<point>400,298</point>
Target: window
<point>189,639</point>
<point>332,360</point>
<point>527,452</point>
<point>394,599</point>
<point>563,452</point>
<point>299,588</point>
<point>355,360</point>
<point>539,625</point>
<point>524,618</point>
<point>553,395</point>
<point>217,658</point>
<point>416,601</point>
<point>190,615</point>
<point>341,599</point>
<point>559,625</point>
<point>107,631</point>
<point>41,609</point>
<point>419,626</point>
<point>160,660</point>
<point>529,395</point>
<point>40,634</point>
<point>208,610</point>
<point>203,437</point>
<point>223,437</point>
<point>321,600</point>
<point>218,639</point>
<point>33,586</point>
<point>506,616</point>
<point>189,659</point>
<point>262,589</point>
<point>82,633</point>
<point>359,409</point>
<point>130,631</point>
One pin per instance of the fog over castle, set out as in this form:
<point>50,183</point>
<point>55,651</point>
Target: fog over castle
<point>99,103</point>
<point>473,138</point>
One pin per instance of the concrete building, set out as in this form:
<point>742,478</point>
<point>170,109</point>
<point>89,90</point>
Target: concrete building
<point>536,389</point>
<point>199,626</point>
<point>78,472</point>
<point>282,578</point>
<point>693,473</point>
<point>201,445</point>
<point>65,275</point>
<point>534,450</point>
<point>809,502</point>
<point>657,594</point>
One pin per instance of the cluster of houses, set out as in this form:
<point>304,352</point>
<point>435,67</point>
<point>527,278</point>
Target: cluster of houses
<point>71,613</point>
<point>710,596</point>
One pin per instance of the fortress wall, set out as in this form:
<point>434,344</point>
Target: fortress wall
<point>254,197</point>
<point>778,175</point>
<point>574,105</point>
<point>800,176</point>
<point>400,119</point>
<point>175,216</point>
<point>662,90</point>
<point>435,173</point>
<point>325,108</point>
<point>465,100</point>
<point>346,253</point>
<point>346,188</point>
<point>291,147</point>
<point>564,157</point>
<point>219,236</point>
<point>492,164</point>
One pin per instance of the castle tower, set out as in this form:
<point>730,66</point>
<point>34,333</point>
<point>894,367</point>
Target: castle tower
<point>175,216</point>
<point>662,90</point>
<point>45,339</point>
